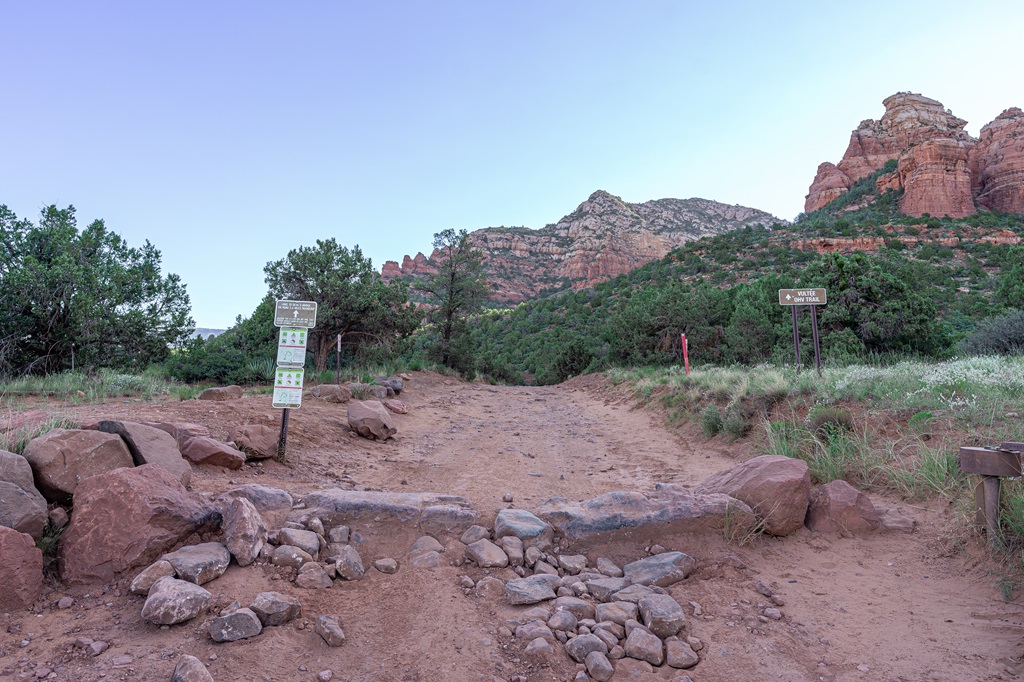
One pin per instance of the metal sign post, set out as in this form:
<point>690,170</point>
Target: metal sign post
<point>295,318</point>
<point>811,298</point>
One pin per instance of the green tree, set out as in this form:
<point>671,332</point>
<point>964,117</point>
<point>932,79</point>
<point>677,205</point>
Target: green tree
<point>457,290</point>
<point>83,297</point>
<point>352,300</point>
<point>1010,291</point>
<point>753,330</point>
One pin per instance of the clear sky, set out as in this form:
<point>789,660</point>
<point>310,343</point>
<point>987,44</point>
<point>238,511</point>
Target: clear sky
<point>227,133</point>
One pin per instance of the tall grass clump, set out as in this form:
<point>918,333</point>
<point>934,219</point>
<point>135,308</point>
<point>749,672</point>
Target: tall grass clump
<point>18,438</point>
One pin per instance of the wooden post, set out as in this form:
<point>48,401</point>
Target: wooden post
<point>796,338</point>
<point>814,334</point>
<point>986,502</point>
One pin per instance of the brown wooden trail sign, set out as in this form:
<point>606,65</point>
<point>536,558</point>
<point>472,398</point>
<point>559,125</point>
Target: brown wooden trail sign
<point>990,463</point>
<point>811,298</point>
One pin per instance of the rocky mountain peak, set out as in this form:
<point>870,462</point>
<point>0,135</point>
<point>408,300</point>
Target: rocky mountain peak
<point>940,167</point>
<point>605,236</point>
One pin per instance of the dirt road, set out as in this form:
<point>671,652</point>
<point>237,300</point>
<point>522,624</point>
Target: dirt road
<point>914,607</point>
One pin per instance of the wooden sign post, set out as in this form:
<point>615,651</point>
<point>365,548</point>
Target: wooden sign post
<point>990,463</point>
<point>811,298</point>
<point>295,318</point>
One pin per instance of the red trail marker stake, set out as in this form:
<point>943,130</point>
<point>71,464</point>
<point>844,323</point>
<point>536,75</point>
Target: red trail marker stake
<point>686,355</point>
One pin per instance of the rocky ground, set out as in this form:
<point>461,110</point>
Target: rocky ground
<point>873,606</point>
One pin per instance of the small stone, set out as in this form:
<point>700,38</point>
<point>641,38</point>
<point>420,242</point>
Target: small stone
<point>290,557</point>
<point>240,624</point>
<point>562,620</point>
<point>644,646</point>
<point>616,652</point>
<point>313,577</point>
<point>474,533</point>
<point>386,566</point>
<point>339,535</point>
<point>507,497</point>
<point>695,643</point>
<point>172,601</point>
<point>349,564</point>
<point>580,647</point>
<point>772,613</point>
<point>532,555</point>
<point>617,612</point>
<point>275,608</point>
<point>325,676</point>
<point>425,560</point>
<point>528,590</point>
<point>329,627</point>
<point>539,646</point>
<point>65,603</point>
<point>191,669</point>
<point>657,549</point>
<point>662,569</point>
<point>608,568</point>
<point>599,667</point>
<point>486,554</point>
<point>466,582</point>
<point>572,564</point>
<point>513,548</point>
<point>679,654</point>
<point>199,564</point>
<point>763,589</point>
<point>662,615</point>
<point>531,630</point>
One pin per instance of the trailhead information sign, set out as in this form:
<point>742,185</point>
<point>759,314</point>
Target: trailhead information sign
<point>291,346</point>
<point>288,387</point>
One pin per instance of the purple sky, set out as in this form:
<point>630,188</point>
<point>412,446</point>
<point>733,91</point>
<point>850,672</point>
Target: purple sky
<point>228,133</point>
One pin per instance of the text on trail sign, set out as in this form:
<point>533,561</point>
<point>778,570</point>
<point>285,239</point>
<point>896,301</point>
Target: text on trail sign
<point>802,297</point>
<point>288,387</point>
<point>295,314</point>
<point>291,346</point>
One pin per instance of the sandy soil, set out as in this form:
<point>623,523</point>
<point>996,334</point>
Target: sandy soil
<point>925,606</point>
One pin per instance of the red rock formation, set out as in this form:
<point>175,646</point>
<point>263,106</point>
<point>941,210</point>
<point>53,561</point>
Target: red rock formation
<point>997,163</point>
<point>602,238</point>
<point>941,168</point>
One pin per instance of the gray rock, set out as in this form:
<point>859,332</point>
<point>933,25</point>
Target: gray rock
<point>244,530</point>
<point>58,517</point>
<point>337,507</point>
<point>528,590</point>
<point>426,560</point>
<point>608,567</point>
<point>325,676</point>
<point>513,547</point>
<point>602,589</point>
<point>446,518</point>
<point>580,647</point>
<point>172,601</point>
<point>190,669</point>
<point>545,567</point>
<point>562,620</point>
<point>532,555</point>
<point>339,535</point>
<point>599,667</point>
<point>387,566</point>
<point>672,509</point>
<point>425,544</point>
<point>474,533</point>
<point>219,393</point>
<point>572,564</point>
<point>306,540</point>
<point>662,615</point>
<point>533,629</point>
<point>199,564</point>
<point>539,647</point>
<point>616,652</point>
<point>264,497</point>
<point>635,593</point>
<point>22,507</point>
<point>240,624</point>
<point>290,556</point>
<point>576,606</point>
<point>661,569</point>
<point>329,627</point>
<point>678,654</point>
<point>349,564</point>
<point>149,575</point>
<point>606,636</point>
<point>644,646</point>
<point>616,612</point>
<point>313,577</point>
<point>773,613</point>
<point>522,524</point>
<point>486,554</point>
<point>274,608</point>
<point>394,383</point>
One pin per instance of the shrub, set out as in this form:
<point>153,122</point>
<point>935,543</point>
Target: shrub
<point>711,421</point>
<point>573,360</point>
<point>1001,335</point>
<point>829,421</point>
<point>734,424</point>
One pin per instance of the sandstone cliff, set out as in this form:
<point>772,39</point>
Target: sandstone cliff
<point>940,167</point>
<point>604,237</point>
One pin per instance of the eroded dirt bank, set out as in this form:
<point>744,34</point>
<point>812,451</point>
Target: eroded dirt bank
<point>881,607</point>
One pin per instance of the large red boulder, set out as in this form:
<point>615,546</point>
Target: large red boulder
<point>370,419</point>
<point>838,506</point>
<point>62,458</point>
<point>21,506</point>
<point>150,445</point>
<point>222,393</point>
<point>777,488</point>
<point>21,570</point>
<point>128,518</point>
<point>257,441</point>
<point>203,450</point>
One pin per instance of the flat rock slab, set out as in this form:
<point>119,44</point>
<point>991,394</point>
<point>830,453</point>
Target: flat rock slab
<point>199,564</point>
<point>145,580</point>
<point>205,450</point>
<point>426,511</point>
<point>777,488</point>
<point>173,601</point>
<point>264,497</point>
<point>232,392</point>
<point>672,509</point>
<point>522,524</point>
<point>662,570</point>
<point>306,540</point>
<point>128,518</point>
<point>528,590</point>
<point>149,445</point>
